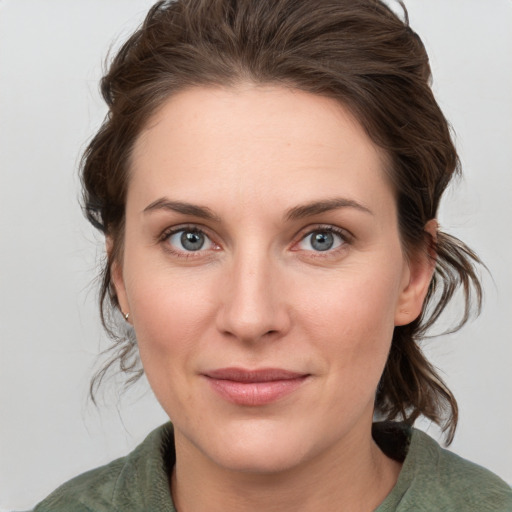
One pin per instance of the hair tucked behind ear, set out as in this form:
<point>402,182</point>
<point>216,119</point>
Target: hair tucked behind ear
<point>410,385</point>
<point>356,51</point>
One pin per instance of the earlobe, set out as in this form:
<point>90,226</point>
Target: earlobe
<point>421,269</point>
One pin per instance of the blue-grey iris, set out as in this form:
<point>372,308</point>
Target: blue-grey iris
<point>322,240</point>
<point>192,240</point>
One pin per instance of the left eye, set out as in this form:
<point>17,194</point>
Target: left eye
<point>189,240</point>
<point>321,240</point>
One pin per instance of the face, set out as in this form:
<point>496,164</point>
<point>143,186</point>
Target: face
<point>263,273</point>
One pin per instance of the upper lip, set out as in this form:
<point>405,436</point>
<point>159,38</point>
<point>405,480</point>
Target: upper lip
<point>259,375</point>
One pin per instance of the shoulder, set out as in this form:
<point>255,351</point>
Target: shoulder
<point>434,479</point>
<point>89,491</point>
<point>446,481</point>
<point>125,484</point>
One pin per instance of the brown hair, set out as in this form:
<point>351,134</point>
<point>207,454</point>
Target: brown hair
<point>356,51</point>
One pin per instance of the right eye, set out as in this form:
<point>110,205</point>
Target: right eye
<point>189,240</point>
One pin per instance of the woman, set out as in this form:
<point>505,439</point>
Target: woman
<point>268,179</point>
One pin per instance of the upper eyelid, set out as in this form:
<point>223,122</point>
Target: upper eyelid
<point>343,232</point>
<point>171,230</point>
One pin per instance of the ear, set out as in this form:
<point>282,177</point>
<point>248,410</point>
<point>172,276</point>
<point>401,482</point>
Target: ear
<point>116,276</point>
<point>417,280</point>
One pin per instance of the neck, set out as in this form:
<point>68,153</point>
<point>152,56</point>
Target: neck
<point>355,476</point>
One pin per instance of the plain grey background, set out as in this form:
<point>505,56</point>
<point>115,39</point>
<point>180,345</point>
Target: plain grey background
<point>50,63</point>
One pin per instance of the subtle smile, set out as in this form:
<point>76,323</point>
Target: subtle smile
<point>254,387</point>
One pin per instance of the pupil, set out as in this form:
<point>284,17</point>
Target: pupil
<point>322,241</point>
<point>192,241</point>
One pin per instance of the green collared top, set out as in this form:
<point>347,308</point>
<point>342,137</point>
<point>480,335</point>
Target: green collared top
<point>432,479</point>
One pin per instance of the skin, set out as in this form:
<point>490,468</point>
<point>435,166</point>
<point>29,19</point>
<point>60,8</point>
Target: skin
<point>259,294</point>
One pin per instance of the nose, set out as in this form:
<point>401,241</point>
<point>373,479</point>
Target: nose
<point>253,305</point>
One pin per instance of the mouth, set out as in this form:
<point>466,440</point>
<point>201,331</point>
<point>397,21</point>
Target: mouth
<point>254,387</point>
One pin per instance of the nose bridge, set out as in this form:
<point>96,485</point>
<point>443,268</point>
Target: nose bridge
<point>252,306</point>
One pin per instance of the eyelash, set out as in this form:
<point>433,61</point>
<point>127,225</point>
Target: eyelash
<point>346,239</point>
<point>166,235</point>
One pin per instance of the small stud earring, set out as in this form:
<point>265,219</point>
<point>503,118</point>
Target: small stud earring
<point>126,316</point>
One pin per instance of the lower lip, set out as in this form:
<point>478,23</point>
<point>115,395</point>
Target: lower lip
<point>255,393</point>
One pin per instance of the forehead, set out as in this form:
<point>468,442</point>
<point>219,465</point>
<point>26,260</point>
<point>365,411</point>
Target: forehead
<point>258,139</point>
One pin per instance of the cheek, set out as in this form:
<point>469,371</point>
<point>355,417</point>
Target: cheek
<point>351,321</point>
<point>170,314</point>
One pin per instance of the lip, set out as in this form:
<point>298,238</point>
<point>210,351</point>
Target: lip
<point>254,387</point>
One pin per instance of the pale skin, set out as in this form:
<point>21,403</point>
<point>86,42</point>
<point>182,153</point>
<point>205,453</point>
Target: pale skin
<point>296,263</point>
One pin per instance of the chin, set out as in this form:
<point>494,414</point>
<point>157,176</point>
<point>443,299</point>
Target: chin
<point>262,446</point>
<point>252,457</point>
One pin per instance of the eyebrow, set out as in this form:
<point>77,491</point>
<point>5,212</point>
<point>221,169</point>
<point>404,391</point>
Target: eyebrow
<point>295,213</point>
<point>181,207</point>
<point>317,207</point>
